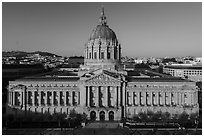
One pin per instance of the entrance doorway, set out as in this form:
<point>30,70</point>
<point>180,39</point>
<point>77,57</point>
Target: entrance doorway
<point>102,116</point>
<point>93,115</point>
<point>111,115</point>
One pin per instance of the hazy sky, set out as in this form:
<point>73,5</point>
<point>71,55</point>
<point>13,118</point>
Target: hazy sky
<point>143,29</point>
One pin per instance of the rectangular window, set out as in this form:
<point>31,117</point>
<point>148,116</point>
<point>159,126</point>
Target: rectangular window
<point>102,55</point>
<point>95,55</point>
<point>108,55</point>
<point>90,55</point>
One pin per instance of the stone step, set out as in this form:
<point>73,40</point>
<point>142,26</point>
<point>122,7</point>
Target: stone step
<point>102,125</point>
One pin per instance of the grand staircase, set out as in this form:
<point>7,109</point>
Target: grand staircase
<point>104,124</point>
<point>102,128</point>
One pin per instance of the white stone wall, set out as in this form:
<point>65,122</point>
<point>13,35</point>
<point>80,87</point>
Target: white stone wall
<point>172,97</point>
<point>53,97</point>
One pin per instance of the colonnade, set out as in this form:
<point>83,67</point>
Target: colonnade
<point>44,98</point>
<point>155,98</point>
<point>103,96</point>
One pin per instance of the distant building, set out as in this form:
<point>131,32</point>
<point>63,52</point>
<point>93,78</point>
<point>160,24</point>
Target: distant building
<point>76,60</point>
<point>188,71</point>
<point>102,88</point>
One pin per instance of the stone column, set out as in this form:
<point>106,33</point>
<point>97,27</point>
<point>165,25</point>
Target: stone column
<point>137,98</point>
<point>39,98</point>
<point>58,98</point>
<point>160,98</point>
<point>150,94</point>
<point>106,96</point>
<point>64,97</point>
<point>167,98</point>
<point>115,96</point>
<point>10,98</point>
<point>112,94</point>
<point>175,98</point>
<point>131,98</point>
<point>124,96</point>
<point>88,96</point>
<point>191,96</point>
<point>71,98</point>
<point>76,97</point>
<point>20,98</point>
<point>33,98</point>
<point>112,52</point>
<point>52,98</point>
<point>23,98</point>
<point>97,98</point>
<point>119,96</point>
<point>195,97</point>
<point>145,98</point>
<point>118,54</point>
<point>45,98</point>
<point>14,98</point>
<point>170,98</point>
<point>180,98</point>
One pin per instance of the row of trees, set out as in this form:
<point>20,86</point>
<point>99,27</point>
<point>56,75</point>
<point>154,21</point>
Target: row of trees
<point>183,119</point>
<point>45,119</point>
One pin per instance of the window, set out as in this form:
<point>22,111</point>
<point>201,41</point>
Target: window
<point>115,53</point>
<point>90,55</point>
<point>102,55</point>
<point>108,55</point>
<point>95,55</point>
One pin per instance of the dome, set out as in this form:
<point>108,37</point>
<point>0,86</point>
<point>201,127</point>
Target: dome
<point>104,32</point>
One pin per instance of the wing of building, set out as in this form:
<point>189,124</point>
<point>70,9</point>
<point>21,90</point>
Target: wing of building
<point>101,88</point>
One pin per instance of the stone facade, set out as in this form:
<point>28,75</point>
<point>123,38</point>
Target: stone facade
<point>101,89</point>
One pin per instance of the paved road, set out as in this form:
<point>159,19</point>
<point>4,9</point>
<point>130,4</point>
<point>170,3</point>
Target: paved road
<point>102,131</point>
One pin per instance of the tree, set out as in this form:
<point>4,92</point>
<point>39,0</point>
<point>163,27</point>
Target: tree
<point>157,116</point>
<point>165,117</point>
<point>183,119</point>
<point>149,115</point>
<point>72,114</point>
<point>143,116</point>
<point>136,118</point>
<point>47,116</point>
<point>10,118</point>
<point>84,117</point>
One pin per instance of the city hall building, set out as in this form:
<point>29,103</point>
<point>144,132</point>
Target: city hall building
<point>101,88</point>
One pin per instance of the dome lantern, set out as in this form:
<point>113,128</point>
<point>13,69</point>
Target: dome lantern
<point>103,20</point>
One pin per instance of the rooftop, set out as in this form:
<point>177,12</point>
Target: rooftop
<point>184,67</point>
<point>133,79</point>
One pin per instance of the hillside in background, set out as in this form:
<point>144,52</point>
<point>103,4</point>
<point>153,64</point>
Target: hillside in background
<point>24,54</point>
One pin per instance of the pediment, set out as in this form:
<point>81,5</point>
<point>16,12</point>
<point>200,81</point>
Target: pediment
<point>103,78</point>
